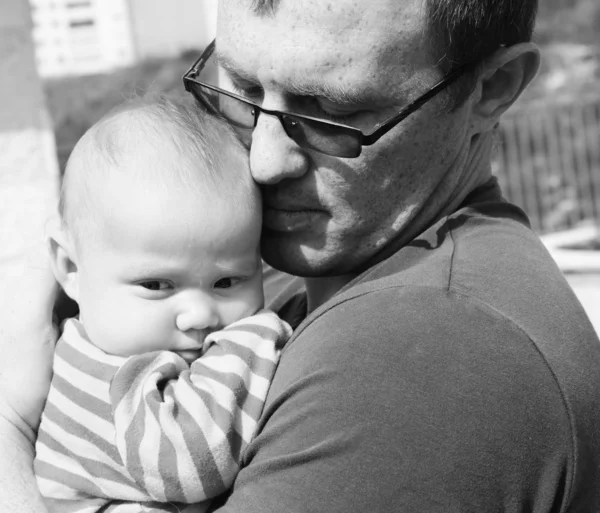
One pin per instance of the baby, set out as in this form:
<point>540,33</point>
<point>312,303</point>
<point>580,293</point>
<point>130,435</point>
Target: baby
<point>159,384</point>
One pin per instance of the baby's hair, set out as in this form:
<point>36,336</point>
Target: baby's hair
<point>146,127</point>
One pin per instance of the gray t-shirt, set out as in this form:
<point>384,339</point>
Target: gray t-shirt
<point>459,374</point>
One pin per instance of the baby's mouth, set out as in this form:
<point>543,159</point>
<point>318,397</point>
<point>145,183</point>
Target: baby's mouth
<point>190,355</point>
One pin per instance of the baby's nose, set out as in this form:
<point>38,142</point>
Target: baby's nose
<point>198,314</point>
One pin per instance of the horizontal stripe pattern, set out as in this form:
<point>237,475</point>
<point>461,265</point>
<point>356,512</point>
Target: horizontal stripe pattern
<point>150,431</point>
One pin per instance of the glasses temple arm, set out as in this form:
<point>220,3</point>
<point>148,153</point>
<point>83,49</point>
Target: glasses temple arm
<point>391,122</point>
<point>201,61</point>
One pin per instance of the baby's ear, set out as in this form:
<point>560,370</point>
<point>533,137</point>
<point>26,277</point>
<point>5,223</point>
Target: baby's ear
<point>63,258</point>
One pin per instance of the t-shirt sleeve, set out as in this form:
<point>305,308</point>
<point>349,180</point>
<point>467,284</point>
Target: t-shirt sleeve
<point>417,401</point>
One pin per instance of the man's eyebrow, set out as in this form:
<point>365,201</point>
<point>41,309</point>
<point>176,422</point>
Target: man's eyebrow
<point>333,93</point>
<point>227,64</point>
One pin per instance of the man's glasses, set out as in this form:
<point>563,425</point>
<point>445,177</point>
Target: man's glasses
<point>321,135</point>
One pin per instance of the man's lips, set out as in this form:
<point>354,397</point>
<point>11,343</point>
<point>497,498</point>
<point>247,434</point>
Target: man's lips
<point>276,203</point>
<point>291,218</point>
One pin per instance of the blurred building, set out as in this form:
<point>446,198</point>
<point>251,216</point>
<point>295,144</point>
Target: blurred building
<point>168,28</point>
<point>78,37</point>
<point>75,37</point>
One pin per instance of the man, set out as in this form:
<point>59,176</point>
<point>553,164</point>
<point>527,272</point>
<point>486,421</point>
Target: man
<point>443,364</point>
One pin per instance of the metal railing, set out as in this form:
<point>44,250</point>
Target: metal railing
<point>548,162</point>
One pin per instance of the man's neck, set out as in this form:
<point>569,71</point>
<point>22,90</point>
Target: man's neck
<point>475,170</point>
<point>320,290</point>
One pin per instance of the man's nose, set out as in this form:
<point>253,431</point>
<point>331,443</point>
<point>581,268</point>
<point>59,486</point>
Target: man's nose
<point>197,312</point>
<point>273,155</point>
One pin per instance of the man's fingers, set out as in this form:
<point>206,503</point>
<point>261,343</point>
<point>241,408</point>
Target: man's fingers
<point>27,338</point>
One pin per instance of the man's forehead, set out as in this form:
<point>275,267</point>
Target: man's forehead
<point>343,12</point>
<point>324,35</point>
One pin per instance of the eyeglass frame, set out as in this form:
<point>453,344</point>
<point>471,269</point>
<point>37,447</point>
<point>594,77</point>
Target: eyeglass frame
<point>362,139</point>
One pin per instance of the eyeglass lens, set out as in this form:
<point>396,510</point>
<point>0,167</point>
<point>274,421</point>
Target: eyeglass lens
<point>311,134</point>
<point>322,137</point>
<point>235,111</point>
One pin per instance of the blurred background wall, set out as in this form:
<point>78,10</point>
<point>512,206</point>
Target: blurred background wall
<point>28,165</point>
<point>166,29</point>
<point>92,54</point>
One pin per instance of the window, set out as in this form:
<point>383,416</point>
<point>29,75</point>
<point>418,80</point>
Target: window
<point>81,23</point>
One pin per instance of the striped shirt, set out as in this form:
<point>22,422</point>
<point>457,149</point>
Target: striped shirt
<point>121,432</point>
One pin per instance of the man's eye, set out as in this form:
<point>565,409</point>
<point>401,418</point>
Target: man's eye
<point>331,112</point>
<point>250,91</point>
<point>155,285</point>
<point>337,118</point>
<point>226,283</point>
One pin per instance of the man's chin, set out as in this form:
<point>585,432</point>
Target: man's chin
<point>300,260</point>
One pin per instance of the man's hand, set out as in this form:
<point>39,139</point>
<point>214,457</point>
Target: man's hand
<point>27,340</point>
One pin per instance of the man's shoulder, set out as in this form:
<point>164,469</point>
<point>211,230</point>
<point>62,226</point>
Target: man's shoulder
<point>488,254</point>
<point>432,370</point>
<point>478,276</point>
<point>435,355</point>
<point>405,330</point>
<point>392,313</point>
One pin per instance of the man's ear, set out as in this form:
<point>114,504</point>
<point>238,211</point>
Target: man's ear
<point>63,259</point>
<point>503,77</point>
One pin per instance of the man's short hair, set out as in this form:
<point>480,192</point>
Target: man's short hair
<point>467,31</point>
<point>464,31</point>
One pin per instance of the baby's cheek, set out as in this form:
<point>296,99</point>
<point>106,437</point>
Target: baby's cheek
<point>143,326</point>
<point>109,327</point>
<point>247,305</point>
<point>120,326</point>
<point>99,329</point>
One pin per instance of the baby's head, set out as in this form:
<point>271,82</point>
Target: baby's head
<point>159,242</point>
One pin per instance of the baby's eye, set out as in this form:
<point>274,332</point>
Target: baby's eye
<point>226,283</point>
<point>155,284</point>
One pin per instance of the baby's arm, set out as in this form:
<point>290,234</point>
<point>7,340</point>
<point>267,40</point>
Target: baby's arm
<point>180,431</point>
